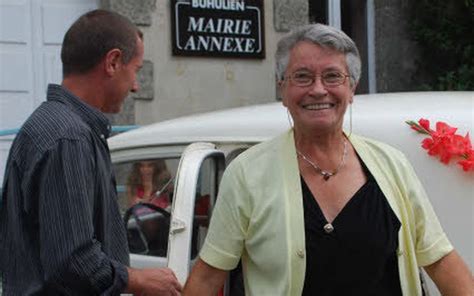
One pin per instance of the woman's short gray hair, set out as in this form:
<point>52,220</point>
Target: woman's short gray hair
<point>324,36</point>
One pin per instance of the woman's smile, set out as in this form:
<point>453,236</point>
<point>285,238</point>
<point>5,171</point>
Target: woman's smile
<point>318,106</point>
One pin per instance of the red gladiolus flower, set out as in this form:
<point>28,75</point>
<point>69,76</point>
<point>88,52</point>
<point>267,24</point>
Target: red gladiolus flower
<point>445,143</point>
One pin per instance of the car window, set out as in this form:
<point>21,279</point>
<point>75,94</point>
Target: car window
<point>145,193</point>
<point>205,196</point>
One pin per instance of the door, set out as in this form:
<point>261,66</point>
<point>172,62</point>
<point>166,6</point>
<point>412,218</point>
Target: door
<point>200,169</point>
<point>31,33</point>
<point>166,195</point>
<point>145,181</point>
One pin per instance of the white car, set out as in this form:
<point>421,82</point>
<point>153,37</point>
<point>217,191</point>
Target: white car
<point>197,148</point>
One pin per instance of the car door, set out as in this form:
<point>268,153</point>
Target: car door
<point>198,175</point>
<point>147,213</point>
<point>196,171</point>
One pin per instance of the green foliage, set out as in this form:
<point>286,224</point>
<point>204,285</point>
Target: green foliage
<point>444,30</point>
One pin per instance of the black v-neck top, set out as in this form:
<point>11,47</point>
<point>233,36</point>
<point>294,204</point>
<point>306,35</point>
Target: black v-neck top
<point>359,257</point>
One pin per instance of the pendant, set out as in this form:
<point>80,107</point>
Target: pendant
<point>326,175</point>
<point>328,228</point>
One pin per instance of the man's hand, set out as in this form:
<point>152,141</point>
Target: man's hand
<point>153,281</point>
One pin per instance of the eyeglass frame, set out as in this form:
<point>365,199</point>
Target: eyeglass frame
<point>290,77</point>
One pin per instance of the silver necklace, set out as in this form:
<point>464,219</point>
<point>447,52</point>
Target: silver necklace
<point>326,174</point>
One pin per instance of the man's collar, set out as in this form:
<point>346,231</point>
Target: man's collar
<point>93,117</point>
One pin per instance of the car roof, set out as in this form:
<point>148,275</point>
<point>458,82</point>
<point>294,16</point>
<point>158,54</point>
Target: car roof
<point>245,124</point>
<point>257,123</point>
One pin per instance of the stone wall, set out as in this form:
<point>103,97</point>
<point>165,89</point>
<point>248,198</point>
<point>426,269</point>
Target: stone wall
<point>396,54</point>
<point>140,13</point>
<point>173,86</point>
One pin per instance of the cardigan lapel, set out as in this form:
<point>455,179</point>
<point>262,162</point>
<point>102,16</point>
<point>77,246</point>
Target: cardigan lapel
<point>294,212</point>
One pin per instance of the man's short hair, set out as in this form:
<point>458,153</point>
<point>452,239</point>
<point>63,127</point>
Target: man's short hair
<point>93,35</point>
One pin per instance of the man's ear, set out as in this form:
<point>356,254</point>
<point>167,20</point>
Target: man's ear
<point>113,61</point>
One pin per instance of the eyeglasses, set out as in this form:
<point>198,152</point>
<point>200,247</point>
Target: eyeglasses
<point>329,78</point>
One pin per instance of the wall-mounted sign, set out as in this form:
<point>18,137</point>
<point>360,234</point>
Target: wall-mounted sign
<point>218,28</point>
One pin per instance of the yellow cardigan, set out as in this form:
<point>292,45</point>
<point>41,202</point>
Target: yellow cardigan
<point>259,217</point>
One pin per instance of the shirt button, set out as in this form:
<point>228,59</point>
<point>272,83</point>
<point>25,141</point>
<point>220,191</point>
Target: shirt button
<point>102,136</point>
<point>300,253</point>
<point>399,252</point>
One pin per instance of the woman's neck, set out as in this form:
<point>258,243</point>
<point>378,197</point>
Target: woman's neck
<point>316,141</point>
<point>147,186</point>
<point>325,149</point>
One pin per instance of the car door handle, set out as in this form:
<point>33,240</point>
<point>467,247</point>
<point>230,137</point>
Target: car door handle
<point>177,226</point>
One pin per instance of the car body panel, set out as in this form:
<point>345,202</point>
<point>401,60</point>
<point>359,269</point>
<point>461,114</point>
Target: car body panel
<point>378,116</point>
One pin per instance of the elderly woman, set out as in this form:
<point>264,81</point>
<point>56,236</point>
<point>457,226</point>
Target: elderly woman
<point>317,211</point>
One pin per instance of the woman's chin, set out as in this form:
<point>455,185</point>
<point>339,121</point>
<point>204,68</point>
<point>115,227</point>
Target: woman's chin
<point>320,123</point>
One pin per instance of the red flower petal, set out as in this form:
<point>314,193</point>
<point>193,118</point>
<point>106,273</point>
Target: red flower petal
<point>425,123</point>
<point>459,145</point>
<point>427,143</point>
<point>443,129</point>
<point>468,164</point>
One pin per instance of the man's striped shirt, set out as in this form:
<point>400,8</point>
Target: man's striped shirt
<point>61,231</point>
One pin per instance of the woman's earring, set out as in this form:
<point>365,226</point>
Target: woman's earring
<point>350,120</point>
<point>290,120</point>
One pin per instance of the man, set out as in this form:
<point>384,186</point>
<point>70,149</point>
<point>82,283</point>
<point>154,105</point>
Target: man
<point>61,231</point>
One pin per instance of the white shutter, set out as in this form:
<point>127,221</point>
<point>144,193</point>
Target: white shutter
<point>31,32</point>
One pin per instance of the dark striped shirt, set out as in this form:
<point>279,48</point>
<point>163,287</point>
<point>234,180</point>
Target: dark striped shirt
<point>61,231</point>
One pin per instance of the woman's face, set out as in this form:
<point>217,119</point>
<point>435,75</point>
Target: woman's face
<point>146,169</point>
<point>316,106</point>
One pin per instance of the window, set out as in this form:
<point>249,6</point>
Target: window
<point>355,18</point>
<point>145,192</point>
<point>206,191</point>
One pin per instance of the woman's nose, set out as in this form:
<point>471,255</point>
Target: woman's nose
<point>318,86</point>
